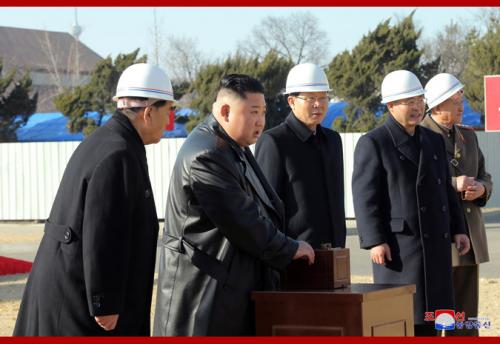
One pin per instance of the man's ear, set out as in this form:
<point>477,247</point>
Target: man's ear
<point>224,112</point>
<point>291,101</point>
<point>147,114</point>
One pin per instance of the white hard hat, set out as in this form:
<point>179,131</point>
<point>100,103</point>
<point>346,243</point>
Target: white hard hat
<point>306,77</point>
<point>441,87</point>
<point>144,80</point>
<point>400,84</point>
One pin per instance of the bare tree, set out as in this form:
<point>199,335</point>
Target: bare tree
<point>487,17</point>
<point>183,58</point>
<point>296,37</point>
<point>451,46</point>
<point>62,66</point>
<point>54,64</point>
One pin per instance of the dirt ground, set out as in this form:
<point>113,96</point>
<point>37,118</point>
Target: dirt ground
<point>12,286</point>
<point>11,289</point>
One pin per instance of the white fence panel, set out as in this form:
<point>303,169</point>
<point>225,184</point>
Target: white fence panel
<point>30,173</point>
<point>490,146</point>
<point>349,141</point>
<point>161,160</point>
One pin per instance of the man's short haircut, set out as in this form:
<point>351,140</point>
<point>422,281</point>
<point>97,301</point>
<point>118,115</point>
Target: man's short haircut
<point>240,84</point>
<point>156,105</point>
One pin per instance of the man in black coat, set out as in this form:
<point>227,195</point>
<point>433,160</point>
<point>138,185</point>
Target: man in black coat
<point>407,211</point>
<point>303,162</point>
<point>223,223</point>
<point>93,273</point>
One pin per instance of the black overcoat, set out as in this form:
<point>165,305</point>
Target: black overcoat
<point>408,202</point>
<point>97,254</point>
<point>307,172</point>
<point>222,236</point>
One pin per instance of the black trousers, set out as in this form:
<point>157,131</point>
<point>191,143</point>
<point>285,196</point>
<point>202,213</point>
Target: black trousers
<point>466,285</point>
<point>426,330</point>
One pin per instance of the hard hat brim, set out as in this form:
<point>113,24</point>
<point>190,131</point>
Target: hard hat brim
<point>445,95</point>
<point>308,88</point>
<point>143,94</point>
<point>392,98</point>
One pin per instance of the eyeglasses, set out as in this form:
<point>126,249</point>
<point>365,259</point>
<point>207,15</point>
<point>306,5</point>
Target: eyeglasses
<point>313,100</point>
<point>412,103</point>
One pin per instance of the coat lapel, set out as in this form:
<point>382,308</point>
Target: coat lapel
<point>459,151</point>
<point>331,175</point>
<point>426,155</point>
<point>430,123</point>
<point>264,191</point>
<point>401,140</point>
<point>253,174</point>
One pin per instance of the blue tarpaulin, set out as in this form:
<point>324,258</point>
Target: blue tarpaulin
<point>43,127</point>
<point>186,112</point>
<point>470,117</point>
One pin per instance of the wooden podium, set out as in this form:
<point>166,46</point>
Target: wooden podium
<point>357,310</point>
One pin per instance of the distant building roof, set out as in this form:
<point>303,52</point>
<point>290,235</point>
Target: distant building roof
<point>51,59</point>
<point>30,50</point>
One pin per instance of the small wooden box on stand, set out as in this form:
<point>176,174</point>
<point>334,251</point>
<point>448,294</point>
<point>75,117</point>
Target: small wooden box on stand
<point>319,300</point>
<point>331,270</point>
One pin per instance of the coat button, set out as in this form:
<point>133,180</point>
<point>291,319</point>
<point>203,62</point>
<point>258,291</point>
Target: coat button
<point>435,157</point>
<point>96,301</point>
<point>426,236</point>
<point>423,209</point>
<point>443,208</point>
<point>401,157</point>
<point>445,235</point>
<point>147,193</point>
<point>67,235</point>
<point>468,210</point>
<point>439,181</point>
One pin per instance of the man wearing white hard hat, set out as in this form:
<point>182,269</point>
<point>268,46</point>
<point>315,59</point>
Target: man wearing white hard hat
<point>303,161</point>
<point>94,270</point>
<point>407,212</point>
<point>222,237</point>
<point>471,181</point>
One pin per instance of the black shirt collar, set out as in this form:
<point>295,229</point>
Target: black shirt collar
<point>300,129</point>
<point>415,134</point>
